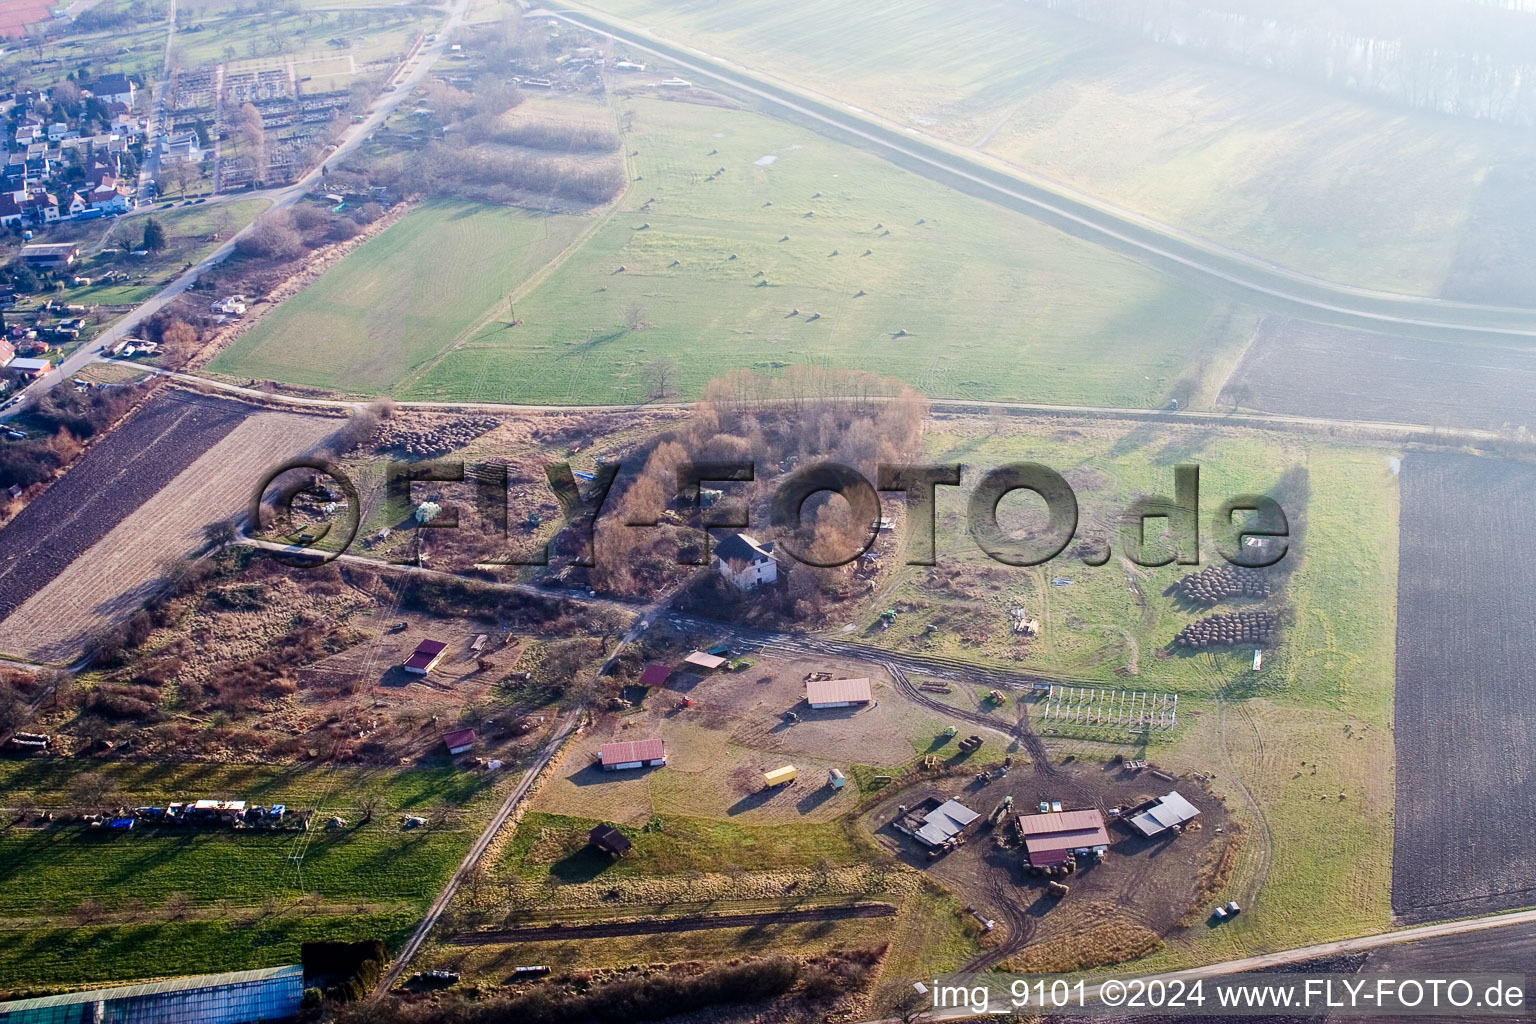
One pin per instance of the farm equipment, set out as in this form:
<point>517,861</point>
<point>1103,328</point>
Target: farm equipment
<point>1000,811</point>
<point>997,697</point>
<point>685,703</point>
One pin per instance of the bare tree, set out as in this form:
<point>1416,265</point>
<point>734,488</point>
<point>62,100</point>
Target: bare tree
<point>219,533</point>
<point>178,343</point>
<point>369,800</point>
<point>913,1008</point>
<point>661,375</point>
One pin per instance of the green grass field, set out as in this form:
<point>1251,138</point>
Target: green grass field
<point>1311,178</point>
<point>554,847</point>
<point>1112,618</point>
<point>994,305</point>
<point>400,298</point>
<point>158,897</point>
<point>51,957</point>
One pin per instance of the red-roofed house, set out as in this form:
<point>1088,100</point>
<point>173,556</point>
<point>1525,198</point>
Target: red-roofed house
<point>459,741</point>
<point>109,196</point>
<point>425,658</point>
<point>633,754</point>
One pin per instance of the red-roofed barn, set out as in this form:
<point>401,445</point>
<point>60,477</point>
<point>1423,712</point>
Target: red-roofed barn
<point>425,658</point>
<point>633,754</point>
<point>459,741</point>
<point>1055,837</point>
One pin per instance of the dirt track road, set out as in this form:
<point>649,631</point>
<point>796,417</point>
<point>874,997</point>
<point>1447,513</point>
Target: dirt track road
<point>605,930</point>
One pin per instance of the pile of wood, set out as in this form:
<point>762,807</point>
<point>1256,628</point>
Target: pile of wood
<point>1233,630</point>
<point>1218,583</point>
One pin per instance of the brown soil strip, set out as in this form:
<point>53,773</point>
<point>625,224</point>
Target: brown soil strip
<point>675,924</point>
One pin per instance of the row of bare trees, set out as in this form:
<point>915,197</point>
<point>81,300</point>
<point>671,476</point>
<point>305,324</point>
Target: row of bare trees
<point>774,423</point>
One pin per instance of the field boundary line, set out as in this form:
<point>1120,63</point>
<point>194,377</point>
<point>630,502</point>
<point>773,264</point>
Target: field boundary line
<point>1419,433</point>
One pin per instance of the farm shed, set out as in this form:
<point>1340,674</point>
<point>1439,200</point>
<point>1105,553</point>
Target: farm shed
<point>633,754</point>
<point>1052,838</point>
<point>655,675</point>
<point>837,693</point>
<point>425,657</point>
<point>938,826</point>
<point>48,256</point>
<point>459,741</point>
<point>1165,813</point>
<point>610,840</point>
<point>273,993</point>
<point>779,776</point>
<point>703,659</point>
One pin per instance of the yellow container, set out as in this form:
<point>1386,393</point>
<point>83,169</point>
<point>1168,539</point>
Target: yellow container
<point>779,776</point>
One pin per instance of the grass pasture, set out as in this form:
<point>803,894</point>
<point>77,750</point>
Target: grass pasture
<point>717,262</point>
<point>1107,624</point>
<point>555,847</point>
<point>995,306</point>
<point>177,900</point>
<point>76,955</point>
<point>400,298</point>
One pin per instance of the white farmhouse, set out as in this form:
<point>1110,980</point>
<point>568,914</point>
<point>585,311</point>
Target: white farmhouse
<point>745,562</point>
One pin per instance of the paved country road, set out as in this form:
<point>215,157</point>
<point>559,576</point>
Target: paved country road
<point>1439,963</point>
<point>1162,245</point>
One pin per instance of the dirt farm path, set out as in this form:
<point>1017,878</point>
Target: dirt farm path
<point>674,924</point>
